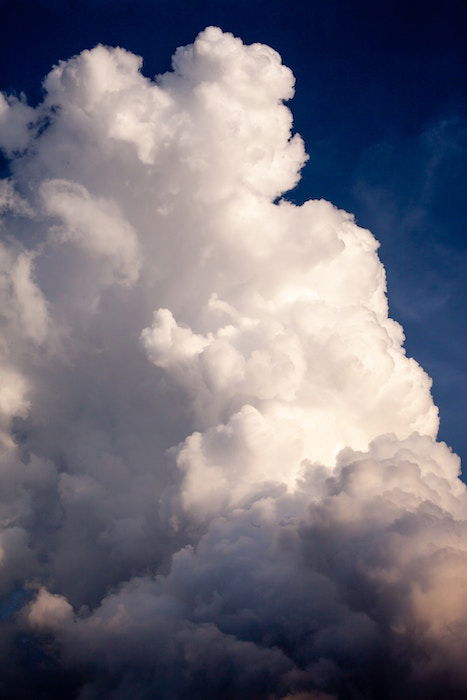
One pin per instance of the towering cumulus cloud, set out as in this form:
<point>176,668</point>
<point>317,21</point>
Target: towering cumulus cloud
<point>219,469</point>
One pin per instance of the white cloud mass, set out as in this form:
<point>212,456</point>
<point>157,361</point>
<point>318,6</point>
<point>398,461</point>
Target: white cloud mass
<point>219,469</point>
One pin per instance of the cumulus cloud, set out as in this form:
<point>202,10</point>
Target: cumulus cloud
<point>220,474</point>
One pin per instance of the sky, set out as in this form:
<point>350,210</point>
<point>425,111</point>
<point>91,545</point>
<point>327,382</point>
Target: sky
<point>231,266</point>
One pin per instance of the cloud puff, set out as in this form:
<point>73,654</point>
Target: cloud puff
<point>95,225</point>
<point>220,473</point>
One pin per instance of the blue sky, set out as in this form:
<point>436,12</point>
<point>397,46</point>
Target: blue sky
<point>380,103</point>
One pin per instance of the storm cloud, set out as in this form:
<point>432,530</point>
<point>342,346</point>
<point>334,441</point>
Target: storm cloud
<point>219,469</point>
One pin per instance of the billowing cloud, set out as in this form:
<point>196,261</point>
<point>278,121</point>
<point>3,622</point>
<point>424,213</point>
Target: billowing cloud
<point>219,468</point>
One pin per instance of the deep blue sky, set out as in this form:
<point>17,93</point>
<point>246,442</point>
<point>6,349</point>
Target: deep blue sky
<point>380,103</point>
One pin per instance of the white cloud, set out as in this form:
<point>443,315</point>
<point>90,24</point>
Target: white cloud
<point>95,224</point>
<point>220,467</point>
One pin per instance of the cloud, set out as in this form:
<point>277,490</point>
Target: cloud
<point>97,226</point>
<point>220,469</point>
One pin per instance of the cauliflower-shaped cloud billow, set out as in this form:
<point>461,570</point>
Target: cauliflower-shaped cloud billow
<point>219,469</point>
